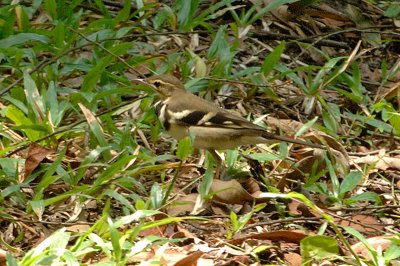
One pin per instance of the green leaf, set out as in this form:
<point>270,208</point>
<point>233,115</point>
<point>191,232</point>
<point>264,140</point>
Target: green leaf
<point>10,166</point>
<point>367,196</point>
<point>22,38</point>
<point>318,247</point>
<point>103,8</point>
<point>265,157</point>
<point>91,78</point>
<point>115,238</point>
<point>392,252</point>
<point>185,148</point>
<point>37,207</point>
<point>219,45</point>
<point>19,118</point>
<point>306,126</point>
<point>51,7</point>
<point>33,97</point>
<point>97,130</point>
<point>49,178</point>
<point>271,6</point>
<point>350,181</point>
<point>234,220</point>
<point>186,10</point>
<point>393,10</point>
<point>205,184</point>
<point>273,58</point>
<point>124,201</point>
<point>112,170</point>
<point>124,220</point>
<point>329,121</point>
<point>124,13</point>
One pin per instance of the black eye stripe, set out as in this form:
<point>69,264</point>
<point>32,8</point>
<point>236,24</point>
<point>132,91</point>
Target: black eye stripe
<point>157,83</point>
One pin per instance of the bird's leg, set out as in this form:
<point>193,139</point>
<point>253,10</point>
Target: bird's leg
<point>220,170</point>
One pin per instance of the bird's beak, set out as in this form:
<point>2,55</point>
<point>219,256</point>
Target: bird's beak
<point>144,82</point>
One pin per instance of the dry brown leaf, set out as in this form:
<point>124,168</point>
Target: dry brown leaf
<point>75,82</point>
<point>78,228</point>
<point>3,254</point>
<point>365,223</point>
<point>382,162</point>
<point>190,259</point>
<point>230,192</point>
<point>293,259</point>
<point>36,154</point>
<point>284,235</point>
<point>289,126</point>
<point>377,242</point>
<point>183,205</point>
<point>388,93</point>
<point>298,208</point>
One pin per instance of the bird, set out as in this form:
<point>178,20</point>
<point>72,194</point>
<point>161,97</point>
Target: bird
<point>185,114</point>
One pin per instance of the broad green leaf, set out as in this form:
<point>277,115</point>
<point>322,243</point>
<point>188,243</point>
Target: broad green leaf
<point>124,201</point>
<point>273,58</point>
<point>219,45</point>
<point>37,207</point>
<point>103,8</point>
<point>51,7</point>
<point>329,121</point>
<point>185,148</point>
<point>115,241</point>
<point>91,78</point>
<point>49,177</point>
<point>393,10</point>
<point>22,38</point>
<point>19,118</point>
<point>10,166</point>
<point>306,126</point>
<point>392,252</point>
<point>265,157</point>
<point>350,181</point>
<point>318,247</point>
<point>206,183</point>
<point>111,171</point>
<point>124,13</point>
<point>33,97</point>
<point>186,10</point>
<point>367,196</point>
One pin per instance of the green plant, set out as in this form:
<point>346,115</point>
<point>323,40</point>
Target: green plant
<point>236,224</point>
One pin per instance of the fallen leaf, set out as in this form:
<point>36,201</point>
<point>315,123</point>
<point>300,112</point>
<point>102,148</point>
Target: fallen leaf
<point>293,259</point>
<point>284,235</point>
<point>36,154</point>
<point>78,228</point>
<point>230,192</point>
<point>3,254</point>
<point>190,259</point>
<point>382,162</point>
<point>364,223</point>
<point>183,205</point>
<point>377,242</point>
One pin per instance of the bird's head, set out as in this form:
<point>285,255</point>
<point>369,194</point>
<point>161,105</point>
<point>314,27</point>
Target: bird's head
<point>165,85</point>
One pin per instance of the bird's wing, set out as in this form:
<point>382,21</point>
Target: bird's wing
<point>199,112</point>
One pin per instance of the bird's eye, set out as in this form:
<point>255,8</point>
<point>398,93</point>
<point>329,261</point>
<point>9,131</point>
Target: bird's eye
<point>157,83</point>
